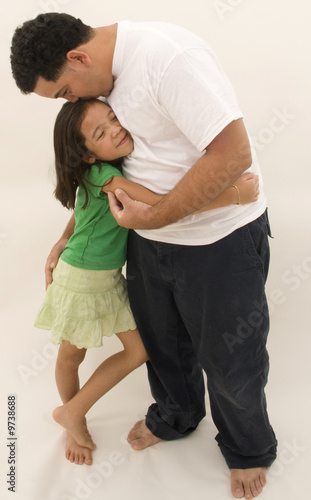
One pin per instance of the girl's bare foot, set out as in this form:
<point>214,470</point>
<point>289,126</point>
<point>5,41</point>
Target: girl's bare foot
<point>75,425</point>
<point>141,437</point>
<point>247,483</point>
<point>75,453</point>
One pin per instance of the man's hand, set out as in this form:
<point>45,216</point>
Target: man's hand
<point>52,260</point>
<point>248,186</point>
<point>130,213</point>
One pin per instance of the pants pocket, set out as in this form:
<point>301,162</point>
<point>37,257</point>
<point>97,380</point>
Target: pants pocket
<point>256,241</point>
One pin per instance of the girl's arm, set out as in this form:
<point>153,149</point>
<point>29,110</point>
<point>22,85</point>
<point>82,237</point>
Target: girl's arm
<point>56,251</point>
<point>247,186</point>
<point>135,191</point>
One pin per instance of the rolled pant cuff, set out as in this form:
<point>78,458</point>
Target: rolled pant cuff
<point>163,430</point>
<point>248,462</point>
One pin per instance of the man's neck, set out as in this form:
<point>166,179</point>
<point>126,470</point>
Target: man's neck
<point>104,42</point>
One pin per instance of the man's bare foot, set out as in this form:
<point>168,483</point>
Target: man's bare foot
<point>141,437</point>
<point>75,425</point>
<point>75,453</point>
<point>247,483</point>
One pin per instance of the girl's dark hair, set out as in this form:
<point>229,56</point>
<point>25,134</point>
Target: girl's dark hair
<point>70,149</point>
<point>39,47</point>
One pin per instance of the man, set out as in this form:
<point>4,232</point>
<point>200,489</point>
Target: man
<point>196,282</point>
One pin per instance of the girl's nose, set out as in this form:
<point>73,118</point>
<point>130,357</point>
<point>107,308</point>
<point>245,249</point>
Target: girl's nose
<point>116,127</point>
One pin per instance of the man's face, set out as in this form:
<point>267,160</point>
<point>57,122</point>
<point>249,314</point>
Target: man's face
<point>73,85</point>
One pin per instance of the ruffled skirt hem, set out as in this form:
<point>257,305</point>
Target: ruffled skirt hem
<point>84,306</point>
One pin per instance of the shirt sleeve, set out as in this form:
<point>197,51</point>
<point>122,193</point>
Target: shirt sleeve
<point>197,95</point>
<point>98,175</point>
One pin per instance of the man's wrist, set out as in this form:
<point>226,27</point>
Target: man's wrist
<point>149,219</point>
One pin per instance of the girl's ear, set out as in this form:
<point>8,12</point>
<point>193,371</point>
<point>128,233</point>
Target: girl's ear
<point>89,159</point>
<point>78,60</point>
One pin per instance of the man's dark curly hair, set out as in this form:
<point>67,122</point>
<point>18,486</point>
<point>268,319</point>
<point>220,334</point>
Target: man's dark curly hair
<point>39,47</point>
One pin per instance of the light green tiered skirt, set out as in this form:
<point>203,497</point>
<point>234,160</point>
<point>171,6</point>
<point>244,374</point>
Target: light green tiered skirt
<point>84,306</point>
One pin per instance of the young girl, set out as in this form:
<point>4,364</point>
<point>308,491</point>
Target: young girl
<point>87,299</point>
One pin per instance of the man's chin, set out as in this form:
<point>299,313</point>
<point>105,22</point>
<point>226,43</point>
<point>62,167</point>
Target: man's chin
<point>108,92</point>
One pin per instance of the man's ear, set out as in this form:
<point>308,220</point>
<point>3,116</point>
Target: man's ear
<point>78,60</point>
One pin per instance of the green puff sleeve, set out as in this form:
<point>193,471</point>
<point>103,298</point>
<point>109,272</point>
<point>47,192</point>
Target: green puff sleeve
<point>98,175</point>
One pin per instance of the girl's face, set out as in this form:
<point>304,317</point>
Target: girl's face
<point>104,136</point>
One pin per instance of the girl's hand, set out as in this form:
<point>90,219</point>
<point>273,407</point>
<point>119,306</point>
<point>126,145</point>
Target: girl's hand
<point>248,186</point>
<point>52,260</point>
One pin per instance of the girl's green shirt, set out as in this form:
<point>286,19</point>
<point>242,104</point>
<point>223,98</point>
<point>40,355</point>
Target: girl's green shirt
<point>98,242</point>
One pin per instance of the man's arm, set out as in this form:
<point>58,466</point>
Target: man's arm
<point>225,159</point>
<point>246,190</point>
<point>56,251</point>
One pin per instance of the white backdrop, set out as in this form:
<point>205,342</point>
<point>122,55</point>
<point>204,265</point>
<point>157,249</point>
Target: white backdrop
<point>264,47</point>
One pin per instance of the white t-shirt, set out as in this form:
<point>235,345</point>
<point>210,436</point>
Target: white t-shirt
<point>171,93</point>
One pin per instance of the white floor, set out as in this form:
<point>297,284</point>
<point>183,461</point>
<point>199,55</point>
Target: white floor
<point>169,471</point>
<point>270,77</point>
